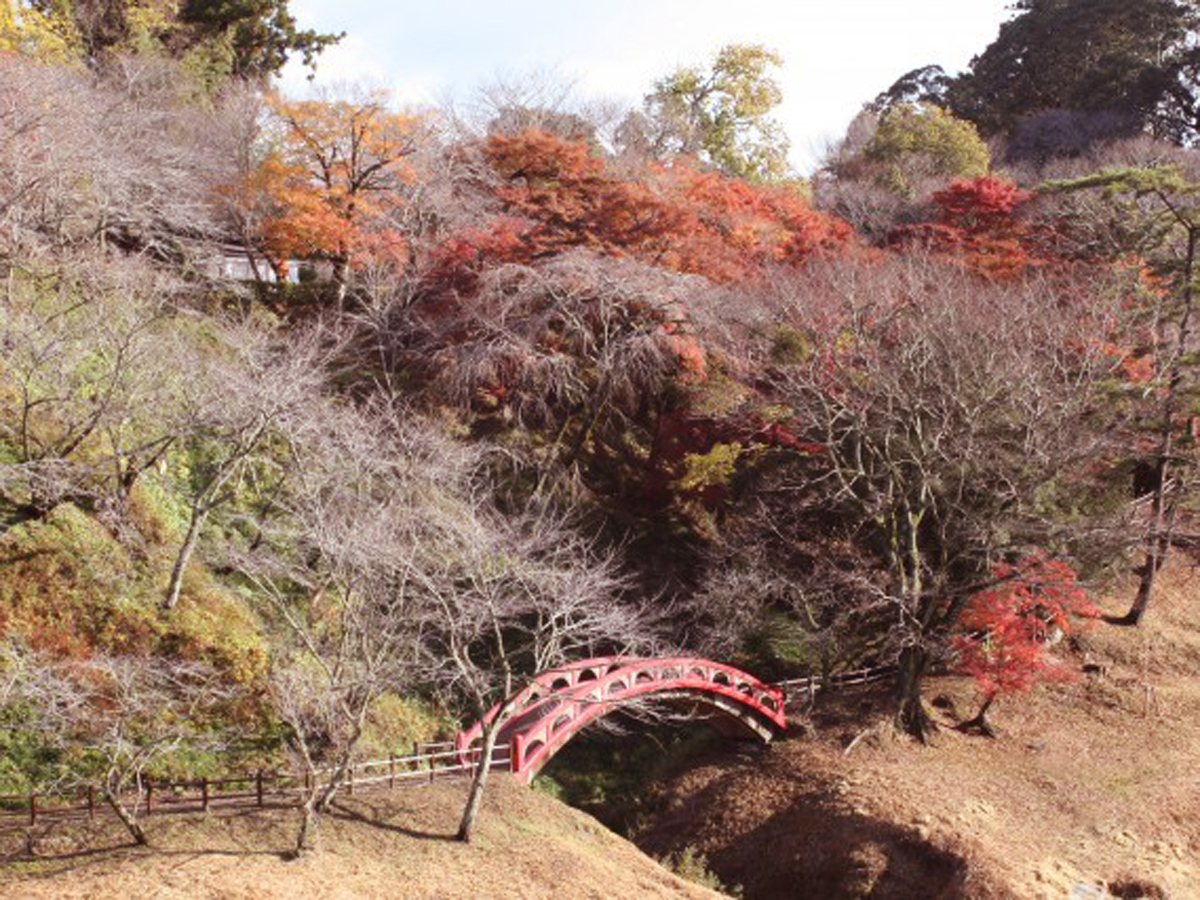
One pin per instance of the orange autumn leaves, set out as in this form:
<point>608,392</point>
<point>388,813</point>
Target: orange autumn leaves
<point>333,182</point>
<point>676,217</point>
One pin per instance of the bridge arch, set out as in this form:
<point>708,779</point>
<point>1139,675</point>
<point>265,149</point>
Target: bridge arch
<point>559,703</point>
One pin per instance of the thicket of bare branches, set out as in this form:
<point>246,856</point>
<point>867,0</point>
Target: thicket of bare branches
<point>957,423</point>
<point>109,719</point>
<point>233,411</point>
<point>385,564</point>
<point>81,364</point>
<point>126,160</point>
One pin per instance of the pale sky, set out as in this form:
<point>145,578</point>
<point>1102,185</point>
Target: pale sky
<point>837,53</point>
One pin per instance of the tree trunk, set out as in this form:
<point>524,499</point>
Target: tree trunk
<point>185,555</point>
<point>979,722</point>
<point>1155,559</point>
<point>479,781</point>
<point>911,716</point>
<point>127,818</point>
<point>308,834</point>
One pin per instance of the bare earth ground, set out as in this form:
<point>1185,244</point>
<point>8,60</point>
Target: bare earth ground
<point>1091,789</point>
<point>527,846</point>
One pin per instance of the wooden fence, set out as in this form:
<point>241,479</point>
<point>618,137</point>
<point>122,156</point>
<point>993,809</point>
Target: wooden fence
<point>427,763</point>
<point>809,686</point>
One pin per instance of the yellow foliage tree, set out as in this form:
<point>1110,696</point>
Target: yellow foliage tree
<point>28,31</point>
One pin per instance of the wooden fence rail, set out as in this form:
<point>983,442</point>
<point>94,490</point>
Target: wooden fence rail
<point>813,683</point>
<point>429,763</point>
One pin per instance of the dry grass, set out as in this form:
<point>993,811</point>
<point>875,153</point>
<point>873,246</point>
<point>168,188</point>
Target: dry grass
<point>1089,784</point>
<point>383,845</point>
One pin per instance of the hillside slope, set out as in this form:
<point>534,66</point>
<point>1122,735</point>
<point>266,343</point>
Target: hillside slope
<point>380,845</point>
<point>1091,786</point>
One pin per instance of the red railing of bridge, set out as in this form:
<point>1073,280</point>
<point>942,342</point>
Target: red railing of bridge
<point>558,703</point>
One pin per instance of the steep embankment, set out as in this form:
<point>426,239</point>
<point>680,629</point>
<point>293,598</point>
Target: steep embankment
<point>1091,789</point>
<point>381,845</point>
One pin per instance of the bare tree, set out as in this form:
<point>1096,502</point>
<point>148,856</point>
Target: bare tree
<point>125,162</point>
<point>82,360</point>
<point>339,569</point>
<point>948,427</point>
<point>230,405</point>
<point>521,595</point>
<point>114,718</point>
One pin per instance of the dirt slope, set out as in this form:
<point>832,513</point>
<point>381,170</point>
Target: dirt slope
<point>1091,789</point>
<point>389,845</point>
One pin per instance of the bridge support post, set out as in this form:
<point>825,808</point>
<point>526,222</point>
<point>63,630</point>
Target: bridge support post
<point>516,754</point>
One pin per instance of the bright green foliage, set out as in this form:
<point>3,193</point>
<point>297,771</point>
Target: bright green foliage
<point>722,114</point>
<point>922,140</point>
<point>395,722</point>
<point>712,469</point>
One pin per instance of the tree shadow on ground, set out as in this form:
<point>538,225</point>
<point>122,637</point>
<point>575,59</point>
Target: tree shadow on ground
<point>378,816</point>
<point>781,832</point>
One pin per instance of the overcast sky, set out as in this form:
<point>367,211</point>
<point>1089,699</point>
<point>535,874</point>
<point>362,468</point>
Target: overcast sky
<point>837,53</point>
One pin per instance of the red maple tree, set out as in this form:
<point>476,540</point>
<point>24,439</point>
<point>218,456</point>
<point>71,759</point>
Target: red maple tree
<point>1009,628</point>
<point>976,226</point>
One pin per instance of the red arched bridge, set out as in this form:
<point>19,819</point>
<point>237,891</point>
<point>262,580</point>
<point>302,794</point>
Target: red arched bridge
<point>560,702</point>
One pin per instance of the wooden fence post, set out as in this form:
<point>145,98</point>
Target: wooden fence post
<point>33,809</point>
<point>391,769</point>
<point>350,780</point>
<point>91,801</point>
<point>149,795</point>
<point>258,787</point>
<point>204,793</point>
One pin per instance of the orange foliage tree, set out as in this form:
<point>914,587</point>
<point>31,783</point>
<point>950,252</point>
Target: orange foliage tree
<point>557,194</point>
<point>335,179</point>
<point>730,227</point>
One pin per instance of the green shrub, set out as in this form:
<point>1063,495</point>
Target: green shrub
<point>692,865</point>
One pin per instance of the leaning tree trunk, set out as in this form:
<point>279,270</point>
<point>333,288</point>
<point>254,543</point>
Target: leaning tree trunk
<point>1156,556</point>
<point>979,721</point>
<point>479,781</point>
<point>185,555</point>
<point>113,798</point>
<point>911,715</point>
<point>308,834</point>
